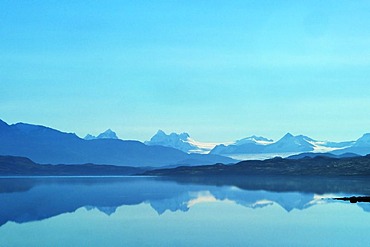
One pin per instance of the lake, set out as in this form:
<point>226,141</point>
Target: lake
<point>149,211</point>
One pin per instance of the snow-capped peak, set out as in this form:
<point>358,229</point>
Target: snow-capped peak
<point>181,141</point>
<point>254,139</point>
<point>290,143</point>
<point>298,140</point>
<point>161,136</point>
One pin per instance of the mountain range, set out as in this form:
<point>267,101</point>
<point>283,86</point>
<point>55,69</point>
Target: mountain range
<point>45,145</point>
<point>286,146</point>
<point>49,146</point>
<point>257,147</point>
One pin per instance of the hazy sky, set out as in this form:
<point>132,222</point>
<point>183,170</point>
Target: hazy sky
<point>219,70</point>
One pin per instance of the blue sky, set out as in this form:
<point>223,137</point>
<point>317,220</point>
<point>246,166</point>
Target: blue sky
<point>219,70</point>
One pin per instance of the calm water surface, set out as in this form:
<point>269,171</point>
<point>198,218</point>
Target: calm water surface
<point>154,212</point>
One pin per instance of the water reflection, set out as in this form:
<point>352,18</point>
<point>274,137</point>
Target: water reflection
<point>25,200</point>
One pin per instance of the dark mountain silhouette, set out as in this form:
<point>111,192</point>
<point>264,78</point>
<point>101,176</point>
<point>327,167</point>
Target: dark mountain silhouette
<point>49,146</point>
<point>329,155</point>
<point>318,166</point>
<point>354,199</point>
<point>20,166</point>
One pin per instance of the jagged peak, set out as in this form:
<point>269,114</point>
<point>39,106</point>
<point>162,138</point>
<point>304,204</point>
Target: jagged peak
<point>108,134</point>
<point>180,141</point>
<point>184,136</point>
<point>162,134</point>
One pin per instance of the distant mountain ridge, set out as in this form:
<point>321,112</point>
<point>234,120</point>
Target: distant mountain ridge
<point>49,146</point>
<point>288,145</point>
<point>46,145</point>
<point>258,147</point>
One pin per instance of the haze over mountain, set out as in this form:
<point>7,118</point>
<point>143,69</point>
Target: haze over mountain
<point>49,146</point>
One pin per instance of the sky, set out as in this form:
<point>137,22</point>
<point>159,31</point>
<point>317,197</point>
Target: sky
<point>219,70</point>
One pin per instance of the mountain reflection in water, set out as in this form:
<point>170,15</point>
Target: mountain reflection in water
<point>32,199</point>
